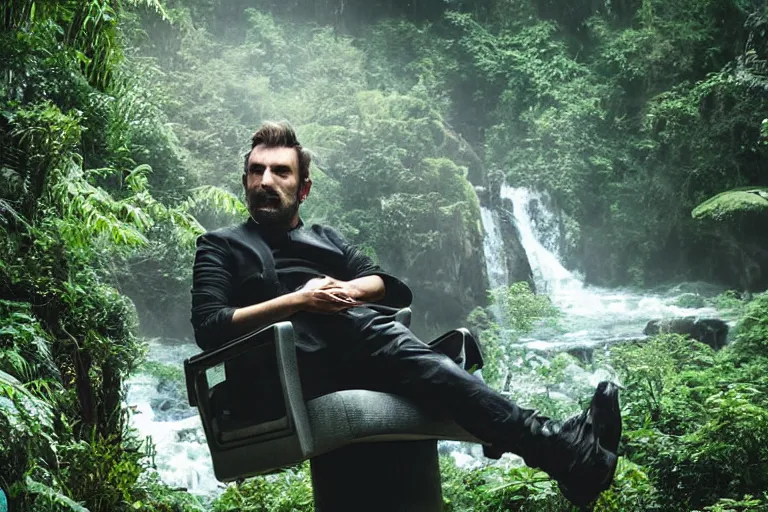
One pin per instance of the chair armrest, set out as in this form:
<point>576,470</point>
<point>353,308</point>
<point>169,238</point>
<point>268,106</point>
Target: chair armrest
<point>404,317</point>
<point>461,347</point>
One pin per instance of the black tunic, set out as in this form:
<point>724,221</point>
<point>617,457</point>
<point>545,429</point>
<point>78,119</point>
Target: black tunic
<point>249,263</point>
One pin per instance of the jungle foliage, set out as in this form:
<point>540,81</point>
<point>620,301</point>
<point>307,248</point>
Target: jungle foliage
<point>75,208</point>
<point>122,126</point>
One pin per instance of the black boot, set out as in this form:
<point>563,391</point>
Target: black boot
<point>579,453</point>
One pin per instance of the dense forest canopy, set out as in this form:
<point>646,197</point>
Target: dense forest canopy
<point>122,129</point>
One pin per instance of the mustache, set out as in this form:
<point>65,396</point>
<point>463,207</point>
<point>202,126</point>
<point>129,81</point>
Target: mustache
<point>263,196</point>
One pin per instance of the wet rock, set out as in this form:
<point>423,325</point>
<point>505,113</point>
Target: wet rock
<point>712,331</point>
<point>190,435</point>
<point>172,403</point>
<point>169,409</point>
<point>584,355</point>
<point>518,266</point>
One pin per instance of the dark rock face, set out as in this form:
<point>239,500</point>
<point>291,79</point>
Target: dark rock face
<point>518,267</point>
<point>447,282</point>
<point>555,230</point>
<point>585,355</point>
<point>171,404</point>
<point>712,331</point>
<point>673,325</point>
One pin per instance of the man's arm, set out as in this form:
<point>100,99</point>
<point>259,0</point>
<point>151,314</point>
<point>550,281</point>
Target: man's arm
<point>211,291</point>
<point>363,289</point>
<point>267,312</point>
<point>368,288</point>
<point>368,282</point>
<point>316,300</point>
<point>215,320</point>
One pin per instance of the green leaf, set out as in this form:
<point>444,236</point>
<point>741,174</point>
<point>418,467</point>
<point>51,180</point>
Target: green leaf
<point>53,496</point>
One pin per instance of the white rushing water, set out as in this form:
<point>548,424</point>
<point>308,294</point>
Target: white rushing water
<point>164,416</point>
<point>493,248</point>
<point>591,315</point>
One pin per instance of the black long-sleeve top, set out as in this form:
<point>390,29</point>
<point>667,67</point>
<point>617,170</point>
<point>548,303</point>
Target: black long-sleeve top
<point>249,263</point>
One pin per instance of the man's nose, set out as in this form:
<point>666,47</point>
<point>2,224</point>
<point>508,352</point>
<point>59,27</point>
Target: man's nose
<point>267,178</point>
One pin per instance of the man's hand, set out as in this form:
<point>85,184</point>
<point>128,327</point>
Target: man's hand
<point>328,295</point>
<point>333,286</point>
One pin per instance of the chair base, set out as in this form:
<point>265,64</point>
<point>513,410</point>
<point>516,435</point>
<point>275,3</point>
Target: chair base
<point>397,476</point>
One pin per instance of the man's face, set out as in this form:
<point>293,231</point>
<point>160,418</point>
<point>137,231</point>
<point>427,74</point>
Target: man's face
<point>271,184</point>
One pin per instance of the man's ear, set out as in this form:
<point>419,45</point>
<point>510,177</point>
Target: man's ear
<point>306,186</point>
<point>245,181</point>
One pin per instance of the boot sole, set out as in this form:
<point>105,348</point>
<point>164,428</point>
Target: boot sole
<point>606,417</point>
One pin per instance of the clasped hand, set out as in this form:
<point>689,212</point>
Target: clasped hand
<point>329,295</point>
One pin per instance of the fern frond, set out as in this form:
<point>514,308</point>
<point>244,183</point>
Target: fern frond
<point>53,497</point>
<point>89,211</point>
<point>21,406</point>
<point>137,180</point>
<point>152,4</point>
<point>217,199</point>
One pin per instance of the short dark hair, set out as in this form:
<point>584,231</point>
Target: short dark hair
<point>280,135</point>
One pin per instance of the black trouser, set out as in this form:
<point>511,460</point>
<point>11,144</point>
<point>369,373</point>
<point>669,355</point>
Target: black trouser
<point>386,356</point>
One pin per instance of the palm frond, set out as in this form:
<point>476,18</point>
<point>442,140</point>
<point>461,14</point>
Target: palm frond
<point>12,361</point>
<point>7,208</point>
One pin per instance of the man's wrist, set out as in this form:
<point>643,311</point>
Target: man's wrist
<point>355,292</point>
<point>366,289</point>
<point>298,300</point>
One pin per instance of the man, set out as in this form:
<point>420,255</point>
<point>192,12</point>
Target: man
<point>341,304</point>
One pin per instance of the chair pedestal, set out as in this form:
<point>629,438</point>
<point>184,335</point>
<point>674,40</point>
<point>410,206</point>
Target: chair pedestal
<point>397,476</point>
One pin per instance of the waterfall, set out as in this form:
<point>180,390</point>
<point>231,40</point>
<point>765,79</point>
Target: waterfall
<point>493,249</point>
<point>591,315</point>
<point>161,414</point>
<point>592,318</point>
<point>549,275</point>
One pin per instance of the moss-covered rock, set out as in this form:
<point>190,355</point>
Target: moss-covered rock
<point>733,203</point>
<point>690,300</point>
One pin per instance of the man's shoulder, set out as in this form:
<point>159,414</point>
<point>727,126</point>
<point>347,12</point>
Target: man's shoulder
<point>324,229</point>
<point>227,233</point>
<point>328,232</point>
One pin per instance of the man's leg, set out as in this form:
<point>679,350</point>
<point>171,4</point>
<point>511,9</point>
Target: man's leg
<point>400,363</point>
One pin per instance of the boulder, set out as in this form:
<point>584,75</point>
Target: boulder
<point>733,203</point>
<point>712,331</point>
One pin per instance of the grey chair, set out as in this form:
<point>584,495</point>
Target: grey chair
<point>335,431</point>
